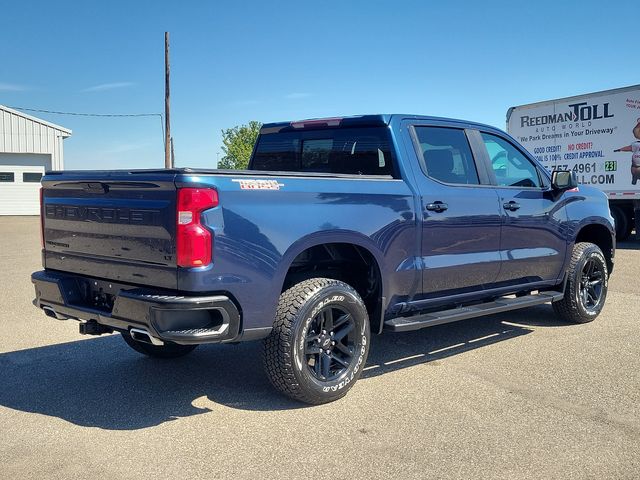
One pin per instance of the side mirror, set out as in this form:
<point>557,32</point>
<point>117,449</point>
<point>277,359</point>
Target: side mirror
<point>562,180</point>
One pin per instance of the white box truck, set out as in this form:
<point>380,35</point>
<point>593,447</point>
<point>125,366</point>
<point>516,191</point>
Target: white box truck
<point>597,135</point>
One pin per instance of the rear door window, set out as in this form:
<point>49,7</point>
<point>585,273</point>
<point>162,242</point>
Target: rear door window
<point>446,155</point>
<point>355,151</point>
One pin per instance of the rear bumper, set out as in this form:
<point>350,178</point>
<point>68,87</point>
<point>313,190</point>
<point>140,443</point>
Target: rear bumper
<point>173,318</point>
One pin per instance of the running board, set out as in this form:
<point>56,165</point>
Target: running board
<point>416,322</point>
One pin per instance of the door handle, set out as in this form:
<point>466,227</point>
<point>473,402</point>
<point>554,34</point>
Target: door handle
<point>437,206</point>
<point>512,206</point>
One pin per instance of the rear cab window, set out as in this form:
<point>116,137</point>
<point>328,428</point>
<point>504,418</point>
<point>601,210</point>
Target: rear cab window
<point>355,151</point>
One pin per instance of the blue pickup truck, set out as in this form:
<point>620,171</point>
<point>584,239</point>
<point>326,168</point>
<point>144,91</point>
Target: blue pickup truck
<point>341,228</point>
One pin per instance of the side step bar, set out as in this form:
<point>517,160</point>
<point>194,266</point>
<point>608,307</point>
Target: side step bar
<point>416,322</point>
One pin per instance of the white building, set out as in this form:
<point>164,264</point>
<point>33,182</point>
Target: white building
<point>28,147</point>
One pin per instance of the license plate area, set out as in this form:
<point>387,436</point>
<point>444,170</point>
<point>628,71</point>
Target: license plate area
<point>90,293</point>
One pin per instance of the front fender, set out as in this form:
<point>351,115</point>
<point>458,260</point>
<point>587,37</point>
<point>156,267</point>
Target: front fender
<point>586,208</point>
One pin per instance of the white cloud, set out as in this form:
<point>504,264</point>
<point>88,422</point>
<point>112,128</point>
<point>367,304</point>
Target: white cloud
<point>297,95</point>
<point>108,86</point>
<point>12,87</point>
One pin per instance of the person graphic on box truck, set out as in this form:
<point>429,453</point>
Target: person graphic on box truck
<point>635,157</point>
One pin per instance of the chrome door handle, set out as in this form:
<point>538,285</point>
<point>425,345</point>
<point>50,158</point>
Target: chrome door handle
<point>437,206</point>
<point>512,206</point>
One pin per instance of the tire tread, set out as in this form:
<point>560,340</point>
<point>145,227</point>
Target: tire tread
<point>278,361</point>
<point>568,308</point>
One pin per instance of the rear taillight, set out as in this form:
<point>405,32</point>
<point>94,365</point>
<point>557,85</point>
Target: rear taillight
<point>41,217</point>
<point>194,241</point>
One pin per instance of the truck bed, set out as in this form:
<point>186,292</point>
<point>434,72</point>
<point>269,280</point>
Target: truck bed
<point>93,174</point>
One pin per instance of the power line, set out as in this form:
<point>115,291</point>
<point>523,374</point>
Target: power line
<point>88,114</point>
<point>82,114</point>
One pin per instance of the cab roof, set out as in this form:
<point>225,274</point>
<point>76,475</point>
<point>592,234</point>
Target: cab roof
<point>375,120</point>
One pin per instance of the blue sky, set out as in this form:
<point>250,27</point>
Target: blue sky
<point>236,61</point>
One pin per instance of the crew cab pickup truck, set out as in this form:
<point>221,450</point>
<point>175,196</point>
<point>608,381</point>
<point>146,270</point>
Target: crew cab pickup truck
<point>341,228</point>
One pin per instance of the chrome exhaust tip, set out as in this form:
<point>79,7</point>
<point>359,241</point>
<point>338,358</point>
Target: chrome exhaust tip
<point>141,335</point>
<point>50,312</point>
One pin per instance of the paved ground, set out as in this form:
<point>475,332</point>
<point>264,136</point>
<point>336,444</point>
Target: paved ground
<point>518,395</point>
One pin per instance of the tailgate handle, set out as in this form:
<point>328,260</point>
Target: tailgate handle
<point>95,187</point>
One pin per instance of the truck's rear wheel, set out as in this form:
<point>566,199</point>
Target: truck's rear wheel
<point>168,350</point>
<point>319,342</point>
<point>587,283</point>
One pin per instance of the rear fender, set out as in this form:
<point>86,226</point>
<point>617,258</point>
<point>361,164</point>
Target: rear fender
<point>321,238</point>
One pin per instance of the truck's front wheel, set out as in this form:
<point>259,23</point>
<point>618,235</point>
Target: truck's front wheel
<point>319,342</point>
<point>586,287</point>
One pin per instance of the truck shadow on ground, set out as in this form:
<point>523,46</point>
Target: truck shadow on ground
<point>102,383</point>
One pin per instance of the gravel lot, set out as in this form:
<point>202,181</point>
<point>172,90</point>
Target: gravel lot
<point>517,395</point>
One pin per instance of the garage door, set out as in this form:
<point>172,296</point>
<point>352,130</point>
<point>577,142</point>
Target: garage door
<point>20,189</point>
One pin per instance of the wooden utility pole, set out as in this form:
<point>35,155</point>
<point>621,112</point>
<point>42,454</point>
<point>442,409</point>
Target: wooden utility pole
<point>167,123</point>
<point>173,155</point>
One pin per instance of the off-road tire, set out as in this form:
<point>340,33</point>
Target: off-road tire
<point>572,307</point>
<point>286,357</point>
<point>168,350</point>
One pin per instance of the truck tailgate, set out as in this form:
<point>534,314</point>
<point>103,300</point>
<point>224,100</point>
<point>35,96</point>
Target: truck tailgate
<point>118,226</point>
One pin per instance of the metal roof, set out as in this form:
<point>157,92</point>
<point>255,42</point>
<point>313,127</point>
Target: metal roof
<point>18,113</point>
<point>22,133</point>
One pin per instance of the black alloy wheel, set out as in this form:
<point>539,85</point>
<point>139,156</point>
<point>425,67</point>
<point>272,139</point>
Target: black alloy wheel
<point>320,340</point>
<point>330,343</point>
<point>591,284</point>
<point>585,289</point>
